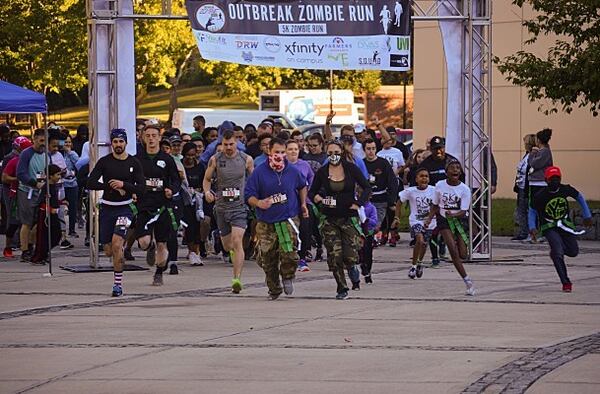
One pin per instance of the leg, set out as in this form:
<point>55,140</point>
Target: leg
<point>236,245</point>
<point>333,243</point>
<point>268,256</point>
<point>116,248</point>
<point>557,253</point>
<point>162,253</point>
<point>72,198</point>
<point>350,244</point>
<point>419,249</point>
<point>454,253</point>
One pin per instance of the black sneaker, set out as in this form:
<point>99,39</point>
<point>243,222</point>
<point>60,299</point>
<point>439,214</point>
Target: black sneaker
<point>519,238</point>
<point>355,285</point>
<point>65,244</point>
<point>158,279</point>
<point>368,279</point>
<point>274,296</point>
<point>419,270</point>
<point>319,255</point>
<point>26,256</point>
<point>173,270</point>
<point>39,262</point>
<point>73,234</point>
<point>127,254</point>
<point>151,254</point>
<point>342,295</point>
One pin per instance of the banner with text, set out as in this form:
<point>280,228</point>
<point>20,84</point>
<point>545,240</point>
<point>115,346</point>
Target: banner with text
<point>311,34</point>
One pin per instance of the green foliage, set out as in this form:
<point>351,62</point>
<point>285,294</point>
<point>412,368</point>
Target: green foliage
<point>569,75</point>
<point>44,44</point>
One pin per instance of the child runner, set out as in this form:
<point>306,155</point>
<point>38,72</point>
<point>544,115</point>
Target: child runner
<point>365,256</point>
<point>550,203</point>
<point>451,203</point>
<point>420,198</point>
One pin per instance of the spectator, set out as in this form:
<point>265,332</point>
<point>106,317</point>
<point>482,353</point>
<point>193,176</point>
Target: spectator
<point>521,189</point>
<point>70,183</point>
<point>199,125</point>
<point>81,137</point>
<point>539,159</point>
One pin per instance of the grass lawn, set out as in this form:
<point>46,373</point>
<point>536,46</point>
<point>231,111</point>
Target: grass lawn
<point>156,105</point>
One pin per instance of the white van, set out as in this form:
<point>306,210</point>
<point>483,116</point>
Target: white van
<point>183,118</point>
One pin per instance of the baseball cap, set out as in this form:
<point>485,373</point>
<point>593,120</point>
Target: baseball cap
<point>552,171</point>
<point>437,142</point>
<point>175,139</point>
<point>359,128</point>
<point>22,143</point>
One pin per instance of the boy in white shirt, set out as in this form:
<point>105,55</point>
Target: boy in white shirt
<point>451,201</point>
<point>420,199</point>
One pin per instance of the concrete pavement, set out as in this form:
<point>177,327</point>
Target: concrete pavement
<point>519,333</point>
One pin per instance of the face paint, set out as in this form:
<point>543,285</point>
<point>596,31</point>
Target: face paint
<point>335,159</point>
<point>277,161</point>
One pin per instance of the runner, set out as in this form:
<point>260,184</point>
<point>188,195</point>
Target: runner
<point>451,202</point>
<point>230,168</point>
<point>193,209</point>
<point>122,177</point>
<point>316,158</point>
<point>552,207</point>
<point>419,198</point>
<point>156,220</point>
<point>278,192</point>
<point>334,189</point>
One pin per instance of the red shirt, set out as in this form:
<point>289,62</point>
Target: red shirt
<point>11,170</point>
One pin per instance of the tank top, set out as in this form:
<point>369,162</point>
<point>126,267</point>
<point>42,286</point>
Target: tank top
<point>231,180</point>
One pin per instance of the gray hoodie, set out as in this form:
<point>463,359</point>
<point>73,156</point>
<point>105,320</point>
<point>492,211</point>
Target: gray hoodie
<point>538,161</point>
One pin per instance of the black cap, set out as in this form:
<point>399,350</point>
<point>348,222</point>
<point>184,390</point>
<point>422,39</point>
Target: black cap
<point>437,142</point>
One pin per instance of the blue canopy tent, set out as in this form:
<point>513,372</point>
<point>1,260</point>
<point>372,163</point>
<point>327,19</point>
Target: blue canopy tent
<point>17,100</point>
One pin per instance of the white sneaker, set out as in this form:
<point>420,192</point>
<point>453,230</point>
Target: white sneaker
<point>470,288</point>
<point>195,259</point>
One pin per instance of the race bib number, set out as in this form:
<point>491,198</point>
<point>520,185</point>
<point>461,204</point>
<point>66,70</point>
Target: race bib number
<point>330,202</point>
<point>123,221</point>
<point>231,194</point>
<point>278,198</point>
<point>154,183</point>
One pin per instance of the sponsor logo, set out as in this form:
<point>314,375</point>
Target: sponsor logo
<point>299,60</point>
<point>341,58</point>
<point>368,44</point>
<point>403,43</point>
<point>246,44</point>
<point>272,44</point>
<point>338,45</point>
<point>210,39</point>
<point>295,48</point>
<point>248,56</point>
<point>210,17</point>
<point>398,60</point>
<point>370,61</point>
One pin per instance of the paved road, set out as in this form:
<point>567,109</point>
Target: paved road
<point>520,333</point>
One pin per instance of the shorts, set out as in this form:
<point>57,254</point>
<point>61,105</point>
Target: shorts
<point>233,218</point>
<point>113,220</point>
<point>161,227</point>
<point>28,207</point>
<point>419,229</point>
<point>442,223</point>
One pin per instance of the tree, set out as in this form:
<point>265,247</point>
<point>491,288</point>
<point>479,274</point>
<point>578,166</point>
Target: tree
<point>569,75</point>
<point>44,44</point>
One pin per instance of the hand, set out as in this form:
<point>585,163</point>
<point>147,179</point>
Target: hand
<point>304,210</point>
<point>264,204</point>
<point>533,233</point>
<point>115,184</point>
<point>318,199</point>
<point>210,197</point>
<point>168,193</point>
<point>121,191</point>
<point>375,119</point>
<point>587,222</point>
<point>354,206</point>
<point>329,117</point>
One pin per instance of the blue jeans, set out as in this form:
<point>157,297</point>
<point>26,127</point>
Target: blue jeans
<point>71,195</point>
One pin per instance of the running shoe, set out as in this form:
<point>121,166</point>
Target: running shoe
<point>73,234</point>
<point>309,257</point>
<point>288,286</point>
<point>274,296</point>
<point>412,272</point>
<point>393,240</point>
<point>470,288</point>
<point>519,238</point>
<point>8,253</point>
<point>368,279</point>
<point>127,254</point>
<point>236,285</point>
<point>39,262</point>
<point>342,295</point>
<point>435,263</point>
<point>356,286</point>
<point>151,255</point>
<point>195,259</point>
<point>65,244</point>
<point>173,269</point>
<point>567,287</point>
<point>419,270</point>
<point>117,291</point>
<point>319,254</point>
<point>26,256</point>
<point>303,267</point>
<point>158,279</point>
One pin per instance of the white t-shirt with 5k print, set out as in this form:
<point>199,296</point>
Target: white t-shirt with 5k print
<point>451,198</point>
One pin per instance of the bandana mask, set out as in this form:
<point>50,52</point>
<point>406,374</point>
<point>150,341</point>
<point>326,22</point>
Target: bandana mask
<point>334,159</point>
<point>277,161</point>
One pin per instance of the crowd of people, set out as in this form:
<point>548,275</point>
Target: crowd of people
<point>264,193</point>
